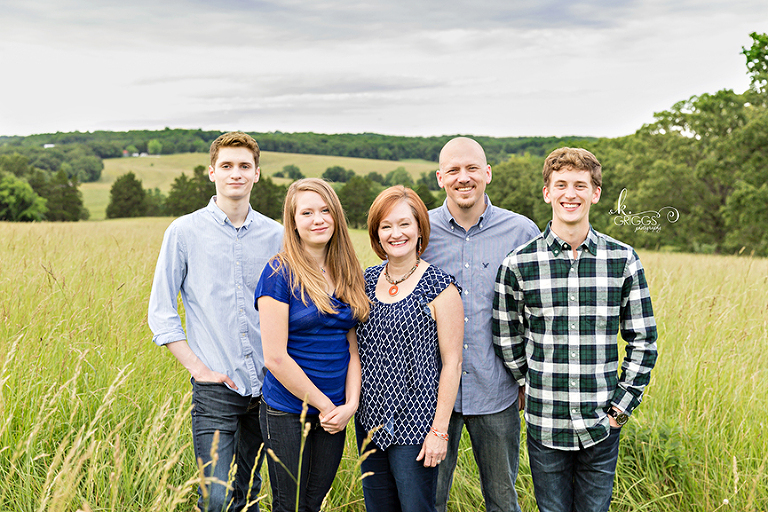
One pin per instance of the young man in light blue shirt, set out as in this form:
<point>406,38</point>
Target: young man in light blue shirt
<point>470,238</point>
<point>214,257</point>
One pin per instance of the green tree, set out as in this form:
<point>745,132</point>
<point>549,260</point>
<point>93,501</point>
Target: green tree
<point>65,201</point>
<point>15,164</point>
<point>127,198</point>
<point>293,172</point>
<point>190,194</point>
<point>86,168</point>
<point>338,174</point>
<point>430,180</point>
<point>18,202</point>
<point>745,213</point>
<point>757,63</point>
<point>430,201</point>
<point>155,201</point>
<point>517,187</point>
<point>267,198</point>
<point>154,147</point>
<point>375,177</point>
<point>356,197</point>
<point>399,177</point>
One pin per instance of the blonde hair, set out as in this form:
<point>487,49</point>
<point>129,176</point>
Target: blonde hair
<point>341,262</point>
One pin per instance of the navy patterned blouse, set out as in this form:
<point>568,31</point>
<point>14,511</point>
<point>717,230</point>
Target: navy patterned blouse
<point>400,361</point>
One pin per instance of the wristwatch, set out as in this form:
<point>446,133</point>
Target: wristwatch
<point>620,417</point>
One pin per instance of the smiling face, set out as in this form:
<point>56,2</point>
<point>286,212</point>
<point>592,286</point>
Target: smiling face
<point>234,173</point>
<point>464,173</point>
<point>571,193</point>
<point>314,222</point>
<point>399,232</point>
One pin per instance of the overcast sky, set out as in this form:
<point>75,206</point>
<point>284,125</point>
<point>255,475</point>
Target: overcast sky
<point>415,67</point>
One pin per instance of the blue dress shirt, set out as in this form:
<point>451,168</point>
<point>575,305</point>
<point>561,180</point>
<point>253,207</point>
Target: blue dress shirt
<point>216,267</point>
<point>473,257</point>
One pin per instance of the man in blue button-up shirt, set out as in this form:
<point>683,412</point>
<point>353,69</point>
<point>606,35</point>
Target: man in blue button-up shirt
<point>214,257</point>
<point>470,237</point>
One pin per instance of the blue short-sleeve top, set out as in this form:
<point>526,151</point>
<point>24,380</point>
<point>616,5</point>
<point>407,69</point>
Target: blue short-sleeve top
<point>316,341</point>
<point>400,360</point>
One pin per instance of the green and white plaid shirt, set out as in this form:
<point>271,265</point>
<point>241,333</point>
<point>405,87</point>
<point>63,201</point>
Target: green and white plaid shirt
<point>555,326</point>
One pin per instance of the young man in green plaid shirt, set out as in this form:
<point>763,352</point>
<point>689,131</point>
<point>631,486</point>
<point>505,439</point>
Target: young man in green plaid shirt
<point>559,304</point>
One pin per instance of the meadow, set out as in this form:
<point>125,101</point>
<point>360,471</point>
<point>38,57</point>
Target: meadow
<point>160,171</point>
<point>94,416</point>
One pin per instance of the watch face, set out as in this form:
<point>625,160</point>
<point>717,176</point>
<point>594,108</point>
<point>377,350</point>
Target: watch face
<point>621,419</point>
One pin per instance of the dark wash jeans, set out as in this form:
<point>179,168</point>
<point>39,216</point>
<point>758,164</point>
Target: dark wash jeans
<point>578,481</point>
<point>399,482</point>
<point>216,408</point>
<point>282,433</point>
<point>496,447</point>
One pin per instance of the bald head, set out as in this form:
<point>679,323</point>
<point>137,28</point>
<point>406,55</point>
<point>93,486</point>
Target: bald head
<point>464,173</point>
<point>464,146</point>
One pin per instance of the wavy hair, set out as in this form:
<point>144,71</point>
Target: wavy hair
<point>341,261</point>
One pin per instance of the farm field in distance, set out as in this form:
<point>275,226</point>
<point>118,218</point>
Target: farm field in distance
<point>160,171</point>
<point>94,416</point>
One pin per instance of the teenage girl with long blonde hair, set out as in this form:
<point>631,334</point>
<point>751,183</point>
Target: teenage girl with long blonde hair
<point>310,297</point>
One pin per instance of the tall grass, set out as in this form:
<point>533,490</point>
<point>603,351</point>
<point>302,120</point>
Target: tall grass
<point>93,416</point>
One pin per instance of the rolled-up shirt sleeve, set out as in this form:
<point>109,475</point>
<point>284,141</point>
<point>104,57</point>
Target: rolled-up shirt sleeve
<point>170,272</point>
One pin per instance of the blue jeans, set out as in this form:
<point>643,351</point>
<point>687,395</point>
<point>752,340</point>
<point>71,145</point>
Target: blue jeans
<point>578,481</point>
<point>496,447</point>
<point>320,459</point>
<point>399,482</point>
<point>216,408</point>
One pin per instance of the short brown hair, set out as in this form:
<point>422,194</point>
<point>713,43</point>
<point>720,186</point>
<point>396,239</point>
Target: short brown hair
<point>234,140</point>
<point>384,203</point>
<point>576,158</point>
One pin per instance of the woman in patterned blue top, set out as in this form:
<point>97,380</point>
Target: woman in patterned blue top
<point>310,297</point>
<point>410,352</point>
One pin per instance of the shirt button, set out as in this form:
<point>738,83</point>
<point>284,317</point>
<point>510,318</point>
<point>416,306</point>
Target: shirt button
<point>466,265</point>
<point>466,319</point>
<point>467,239</point>
<point>237,263</point>
<point>573,354</point>
<point>573,297</point>
<point>466,345</point>
<point>573,383</point>
<point>466,292</point>
<point>573,326</point>
<point>573,411</point>
<point>463,373</point>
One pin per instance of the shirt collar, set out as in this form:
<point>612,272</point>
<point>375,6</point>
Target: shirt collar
<point>557,245</point>
<point>484,218</point>
<point>222,218</point>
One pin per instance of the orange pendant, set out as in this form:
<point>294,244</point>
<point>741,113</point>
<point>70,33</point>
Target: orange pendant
<point>393,290</point>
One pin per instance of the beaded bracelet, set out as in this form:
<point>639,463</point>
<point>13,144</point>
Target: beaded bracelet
<point>441,435</point>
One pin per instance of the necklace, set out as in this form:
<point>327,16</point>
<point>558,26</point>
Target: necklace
<point>394,289</point>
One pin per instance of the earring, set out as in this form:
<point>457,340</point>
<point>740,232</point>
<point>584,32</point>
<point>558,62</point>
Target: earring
<point>418,246</point>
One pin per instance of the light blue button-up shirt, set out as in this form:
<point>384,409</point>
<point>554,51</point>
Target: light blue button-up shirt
<point>216,267</point>
<point>473,257</point>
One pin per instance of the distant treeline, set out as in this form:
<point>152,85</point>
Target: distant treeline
<point>106,144</point>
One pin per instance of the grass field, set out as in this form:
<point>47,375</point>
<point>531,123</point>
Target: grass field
<point>93,416</point>
<point>160,171</point>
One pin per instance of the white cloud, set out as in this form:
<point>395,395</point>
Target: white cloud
<point>495,68</point>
